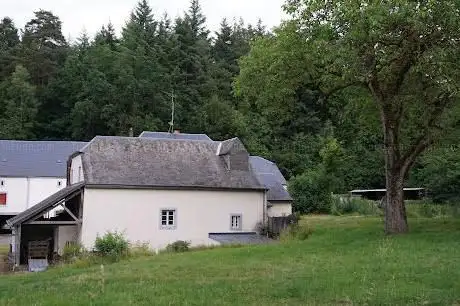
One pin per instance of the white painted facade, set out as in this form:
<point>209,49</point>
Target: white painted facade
<point>76,170</point>
<point>280,209</point>
<point>23,192</point>
<point>63,235</point>
<point>137,214</point>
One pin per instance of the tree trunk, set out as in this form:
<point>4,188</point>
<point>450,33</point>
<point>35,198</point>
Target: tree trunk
<point>395,210</point>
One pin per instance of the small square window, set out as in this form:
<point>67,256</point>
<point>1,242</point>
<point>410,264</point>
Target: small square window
<point>168,219</point>
<point>235,223</point>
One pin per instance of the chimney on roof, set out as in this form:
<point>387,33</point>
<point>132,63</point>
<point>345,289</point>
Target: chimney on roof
<point>176,131</point>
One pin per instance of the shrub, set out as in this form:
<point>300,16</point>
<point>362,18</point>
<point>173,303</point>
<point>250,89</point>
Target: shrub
<point>311,192</point>
<point>112,244</point>
<point>178,247</point>
<point>296,232</point>
<point>342,205</point>
<point>72,251</point>
<point>428,209</point>
<point>263,229</point>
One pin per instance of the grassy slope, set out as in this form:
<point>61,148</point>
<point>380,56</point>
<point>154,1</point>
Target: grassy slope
<point>346,261</point>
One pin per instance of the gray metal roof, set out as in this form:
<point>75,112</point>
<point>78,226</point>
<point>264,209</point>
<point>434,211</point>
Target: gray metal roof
<point>271,177</point>
<point>179,136</point>
<point>239,238</point>
<point>147,162</point>
<point>44,205</point>
<point>36,158</point>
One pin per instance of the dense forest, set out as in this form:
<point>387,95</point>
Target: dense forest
<point>244,80</point>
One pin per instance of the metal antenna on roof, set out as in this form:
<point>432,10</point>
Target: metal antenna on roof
<point>171,123</point>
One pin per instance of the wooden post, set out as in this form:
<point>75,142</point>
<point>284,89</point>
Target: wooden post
<point>17,246</point>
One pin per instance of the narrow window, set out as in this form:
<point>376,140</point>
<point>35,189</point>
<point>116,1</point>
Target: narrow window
<point>2,183</point>
<point>79,174</point>
<point>168,219</point>
<point>2,199</point>
<point>235,223</point>
<point>59,183</point>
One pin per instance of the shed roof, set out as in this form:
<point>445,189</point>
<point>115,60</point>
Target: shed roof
<point>270,176</point>
<point>45,205</point>
<point>177,136</point>
<point>166,163</point>
<point>239,238</point>
<point>36,158</point>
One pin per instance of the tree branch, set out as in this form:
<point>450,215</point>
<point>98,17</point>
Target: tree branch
<point>426,139</point>
<point>342,87</point>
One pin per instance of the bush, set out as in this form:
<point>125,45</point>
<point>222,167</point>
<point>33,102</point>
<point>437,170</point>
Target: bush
<point>263,229</point>
<point>72,251</point>
<point>112,244</point>
<point>178,247</point>
<point>311,192</point>
<point>440,174</point>
<point>342,205</point>
<point>296,232</point>
<point>428,209</point>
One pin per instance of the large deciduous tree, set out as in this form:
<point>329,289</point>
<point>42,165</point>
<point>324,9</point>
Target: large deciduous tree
<point>406,55</point>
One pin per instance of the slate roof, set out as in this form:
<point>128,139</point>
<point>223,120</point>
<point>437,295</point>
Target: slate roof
<point>148,162</point>
<point>163,135</point>
<point>239,238</point>
<point>271,177</point>
<point>36,158</point>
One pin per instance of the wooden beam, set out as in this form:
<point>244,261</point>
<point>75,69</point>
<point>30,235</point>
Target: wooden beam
<point>53,223</point>
<point>17,248</point>
<point>69,212</point>
<point>59,203</point>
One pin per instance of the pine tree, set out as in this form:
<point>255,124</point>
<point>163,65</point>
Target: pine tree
<point>19,117</point>
<point>141,27</point>
<point>43,51</point>
<point>197,21</point>
<point>192,79</point>
<point>9,37</point>
<point>9,41</point>
<point>107,36</point>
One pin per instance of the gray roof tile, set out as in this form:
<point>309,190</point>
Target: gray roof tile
<point>36,158</point>
<point>271,177</point>
<point>125,161</point>
<point>180,136</point>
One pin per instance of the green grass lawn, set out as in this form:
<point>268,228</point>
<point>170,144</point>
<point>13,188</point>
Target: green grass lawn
<point>346,261</point>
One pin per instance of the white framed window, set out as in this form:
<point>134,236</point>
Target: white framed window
<point>79,174</point>
<point>236,222</point>
<point>168,219</point>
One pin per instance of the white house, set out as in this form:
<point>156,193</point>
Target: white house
<point>155,191</point>
<point>31,171</point>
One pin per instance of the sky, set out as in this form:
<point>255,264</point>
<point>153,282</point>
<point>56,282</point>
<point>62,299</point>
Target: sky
<point>89,15</point>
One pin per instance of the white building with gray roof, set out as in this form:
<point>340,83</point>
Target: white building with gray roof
<point>156,191</point>
<point>31,171</point>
